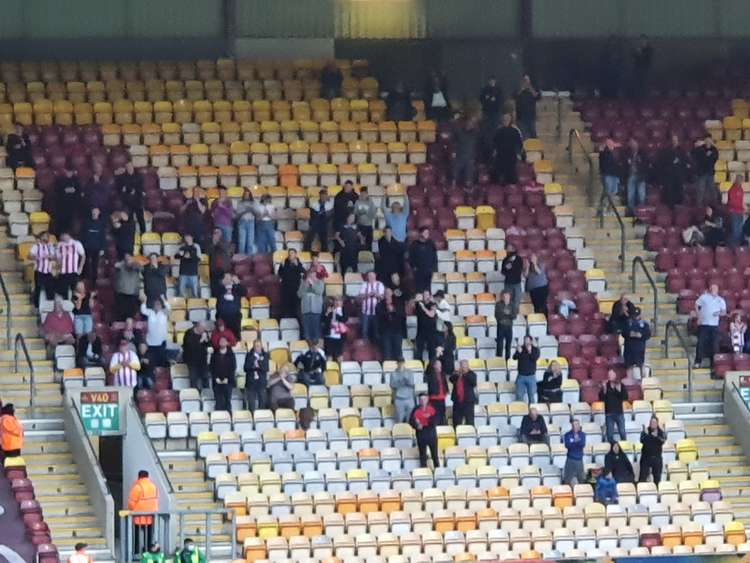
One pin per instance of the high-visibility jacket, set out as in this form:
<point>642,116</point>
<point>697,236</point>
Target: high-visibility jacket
<point>144,497</point>
<point>80,558</point>
<point>11,433</point>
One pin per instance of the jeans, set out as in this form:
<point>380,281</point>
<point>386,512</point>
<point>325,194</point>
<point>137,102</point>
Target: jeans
<point>516,292</point>
<point>705,190</point>
<point>504,338</point>
<point>636,189</point>
<point>610,421</point>
<point>611,186</point>
<point>246,236</point>
<point>526,385</point>
<point>311,326</point>
<point>392,345</point>
<point>189,282</point>
<point>226,232</point>
<point>463,170</point>
<point>574,470</point>
<point>255,397</point>
<point>369,327</point>
<point>403,409</point>
<point>706,345</point>
<point>736,221</point>
<point>265,237</point>
<point>83,324</point>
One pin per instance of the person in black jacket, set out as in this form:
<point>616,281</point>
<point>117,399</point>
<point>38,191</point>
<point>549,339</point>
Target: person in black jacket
<point>533,428</point>
<point>154,279</point>
<point>311,365</point>
<point>436,100</point>
<point>391,317</point>
<point>130,187</point>
<point>398,104</point>
<point>613,393</point>
<point>704,155</point>
<point>672,171</point>
<point>94,240</point>
<point>637,168</point>
<point>390,256</point>
<point>256,377</point>
<point>229,304</point>
<point>550,389</point>
<point>508,150</point>
<point>617,462</point>
<point>437,389</point>
<point>527,356</point>
<point>223,369</point>
<point>189,255</point>
<point>464,395</point>
<point>291,273</point>
<point>320,218</point>
<point>343,205</point>
<point>526,99</point>
<point>423,260</point>
<point>426,327</point>
<point>349,240</point>
<point>423,419</point>
<point>491,99</point>
<point>512,269</point>
<point>609,170</point>
<point>68,201</point>
<point>652,441</point>
<point>446,348</point>
<point>195,344</point>
<point>623,311</point>
<point>18,147</point>
<point>123,231</point>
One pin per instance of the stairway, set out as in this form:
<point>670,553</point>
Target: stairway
<point>703,413</point>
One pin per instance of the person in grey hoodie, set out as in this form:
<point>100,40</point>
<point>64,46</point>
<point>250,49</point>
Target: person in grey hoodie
<point>127,287</point>
<point>402,383</point>
<point>364,211</point>
<point>311,305</point>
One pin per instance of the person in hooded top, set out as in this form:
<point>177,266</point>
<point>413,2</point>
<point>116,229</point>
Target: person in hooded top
<point>617,463</point>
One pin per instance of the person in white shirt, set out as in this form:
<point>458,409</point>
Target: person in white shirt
<point>370,294</point>
<point>124,366</point>
<point>157,331</point>
<point>265,229</point>
<point>709,308</point>
<point>443,310</point>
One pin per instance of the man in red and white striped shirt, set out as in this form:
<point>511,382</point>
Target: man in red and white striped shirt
<point>71,257</point>
<point>43,253</point>
<point>370,294</point>
<point>124,366</point>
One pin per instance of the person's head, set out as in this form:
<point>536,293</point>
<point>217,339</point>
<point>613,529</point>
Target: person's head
<point>58,306</point>
<point>372,276</point>
<point>313,344</point>
<point>505,296</point>
<point>610,143</point>
<point>188,238</point>
<point>396,207</point>
<point>129,323</point>
<point>80,547</point>
<point>439,295</point>
<point>492,81</point>
<point>143,350</point>
<point>18,128</point>
<point>510,249</point>
<point>615,448</point>
<point>608,474</point>
<point>153,259</point>
<point>129,167</point>
<point>348,186</point>
<point>315,257</point>
<point>426,296</point>
<point>423,400</point>
<point>388,294</point>
<point>226,281</point>
<point>653,423</point>
<point>130,259</point>
<point>81,287</point>
<point>637,313</point>
<point>124,345</point>
<point>395,279</point>
<point>216,235</point>
<point>223,343</point>
<point>624,298</point>
<point>738,179</point>
<point>143,474</point>
<point>338,302</point>
<point>65,237</point>
<point>258,346</point>
<point>292,255</point>
<point>709,211</point>
<point>737,318</point>
<point>507,119</point>
<point>247,195</point>
<point>708,140</point>
<point>554,367</point>
<point>189,544</point>
<point>388,233</point>
<point>124,216</point>
<point>154,547</point>
<point>633,144</point>
<point>612,376</point>
<point>158,305</point>
<point>576,425</point>
<point>323,195</point>
<point>200,327</point>
<point>675,139</point>
<point>363,195</point>
<point>70,172</point>
<point>265,199</point>
<point>463,366</point>
<point>528,341</point>
<point>424,233</point>
<point>401,363</point>
<point>714,289</point>
<point>223,193</point>
<point>533,413</point>
<point>350,219</point>
<point>9,409</point>
<point>220,324</point>
<point>44,237</point>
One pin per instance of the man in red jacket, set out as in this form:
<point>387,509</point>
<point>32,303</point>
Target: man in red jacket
<point>736,208</point>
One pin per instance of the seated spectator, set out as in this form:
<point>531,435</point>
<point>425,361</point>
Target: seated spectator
<point>709,233</point>
<point>606,489</point>
<point>222,331</point>
<point>229,303</point>
<point>18,146</point>
<point>533,428</point>
<point>737,330</point>
<point>622,311</point>
<point>617,463</point>
<point>334,328</point>
<point>311,365</point>
<point>57,327</point>
<point>331,80</point>
<point>550,389</point>
<point>89,351</point>
<point>280,387</point>
<point>124,366</point>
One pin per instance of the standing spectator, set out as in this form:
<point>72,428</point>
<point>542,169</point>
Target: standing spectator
<point>312,365</point>
<point>391,319</point>
<point>154,279</point>
<point>436,101</point>
<point>280,387</point>
<point>401,295</point>
<point>157,332</point>
<point>617,463</point>
<point>334,329</point>
<point>223,370</point>
<point>18,147</point>
<point>550,389</point>
<point>423,260</point>
<point>291,273</point>
<point>491,99</point>
<point>636,337</point>
<point>348,239</point>
<point>613,394</point>
<point>533,428</point>
<point>643,56</point>
<point>311,305</point>
<point>512,269</point>
<point>98,192</point>
<point>222,331</point>
<point>123,231</point>
<point>256,377</point>
<point>94,240</point>
<point>527,355</point>
<point>709,308</point>
<point>124,366</point>
<point>398,104</point>
<point>402,383</point>
<point>526,99</point>
<point>331,80</point>
<point>189,255</point>
<point>622,311</point>
<point>246,223</point>
<point>391,253</point>
<point>464,395</point>
<point>397,218</point>
<point>195,355</point>
<point>316,267</point>
<point>130,187</point>
<point>320,219</point>
<point>68,200</point>
<point>606,489</point>
<point>58,326</point>
<point>127,287</point>
<point>609,169</point>
<point>671,172</point>
<point>219,261</point>
<point>737,329</point>
<point>437,389</point>
<point>265,225</point>
<point>443,311</point>
<point>364,211</point>
<point>537,284</point>
<point>143,497</point>
<point>71,258</point>
<point>705,154</point>
<point>426,327</point>
<point>43,253</point>
<point>446,348</point>
<point>507,151</point>
<point>89,351</point>
<point>505,314</point>
<point>229,304</point>
<point>423,420</point>
<point>146,377</point>
<point>736,209</point>
<point>371,292</point>
<point>343,205</point>
<point>222,214</point>
<point>82,303</point>
<point>465,155</point>
<point>575,442</point>
<point>193,214</point>
<point>652,441</point>
<point>637,167</point>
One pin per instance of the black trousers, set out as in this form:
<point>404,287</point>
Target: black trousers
<point>650,466</point>
<point>158,355</point>
<point>366,232</point>
<point>125,305</point>
<point>427,439</point>
<point>422,281</point>
<point>223,396</point>
<point>255,396</point>
<point>319,230</point>
<point>439,406</point>
<point>463,413</point>
<point>504,340</point>
<point>91,266</point>
<point>425,341</point>
<point>43,282</point>
<point>138,213</point>
<point>348,261</point>
<point>706,345</point>
<point>539,299</point>
<point>144,536</point>
<point>66,283</point>
<point>198,376</point>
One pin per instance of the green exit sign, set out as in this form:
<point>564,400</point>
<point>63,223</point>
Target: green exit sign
<point>100,412</point>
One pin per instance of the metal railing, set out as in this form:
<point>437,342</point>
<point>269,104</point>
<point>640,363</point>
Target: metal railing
<point>608,203</point>
<point>574,134</point>
<point>674,327</point>
<point>8,314</point>
<point>639,261</point>
<point>20,340</point>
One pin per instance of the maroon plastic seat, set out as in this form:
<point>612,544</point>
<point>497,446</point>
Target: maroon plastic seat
<point>590,391</point>
<point>39,533</point>
<point>31,512</point>
<point>579,368</point>
<point>47,553</point>
<point>664,260</point>
<point>722,364</point>
<point>22,489</point>
<point>650,539</point>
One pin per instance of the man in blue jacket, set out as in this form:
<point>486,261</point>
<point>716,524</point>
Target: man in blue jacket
<point>575,441</point>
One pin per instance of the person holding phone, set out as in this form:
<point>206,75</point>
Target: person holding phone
<point>652,442</point>
<point>526,355</point>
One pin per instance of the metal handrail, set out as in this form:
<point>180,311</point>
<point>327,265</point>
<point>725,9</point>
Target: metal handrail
<point>638,260</point>
<point>152,449</point>
<point>673,326</point>
<point>21,340</point>
<point>739,394</point>
<point>8,314</point>
<point>610,203</point>
<point>575,134</point>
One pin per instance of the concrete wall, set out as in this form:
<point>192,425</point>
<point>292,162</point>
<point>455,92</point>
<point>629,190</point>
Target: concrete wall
<point>735,411</point>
